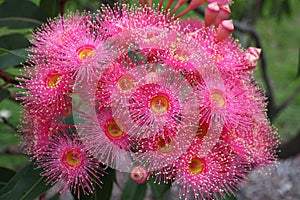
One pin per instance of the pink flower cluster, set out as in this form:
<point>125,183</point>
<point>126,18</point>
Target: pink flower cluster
<point>149,94</point>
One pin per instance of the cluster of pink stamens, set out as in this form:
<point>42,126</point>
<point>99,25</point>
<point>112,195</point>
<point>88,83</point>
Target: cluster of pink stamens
<point>139,90</point>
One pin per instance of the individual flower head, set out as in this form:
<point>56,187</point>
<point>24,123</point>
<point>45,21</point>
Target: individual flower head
<point>57,33</point>
<point>230,101</point>
<point>122,19</point>
<point>219,172</point>
<point>105,138</point>
<point>158,100</point>
<point>227,54</point>
<point>36,130</point>
<point>48,87</point>
<point>184,56</point>
<point>66,162</point>
<point>260,151</point>
<point>115,77</point>
<point>157,152</point>
<point>71,40</point>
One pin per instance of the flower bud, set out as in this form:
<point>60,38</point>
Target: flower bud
<point>211,12</point>
<point>139,174</point>
<point>223,14</point>
<point>224,30</point>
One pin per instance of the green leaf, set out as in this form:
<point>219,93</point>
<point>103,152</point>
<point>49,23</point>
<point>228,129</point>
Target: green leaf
<point>134,191</point>
<point>12,58</point>
<point>4,94</point>
<point>6,31</point>
<point>69,120</point>
<point>158,190</point>
<point>102,192</point>
<point>13,41</point>
<point>25,185</point>
<point>5,174</point>
<point>9,186</point>
<point>50,8</point>
<point>21,53</point>
<point>20,14</point>
<point>105,191</point>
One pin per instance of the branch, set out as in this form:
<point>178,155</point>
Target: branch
<point>290,148</point>
<point>7,79</point>
<point>283,105</point>
<point>289,99</point>
<point>62,4</point>
<point>249,29</point>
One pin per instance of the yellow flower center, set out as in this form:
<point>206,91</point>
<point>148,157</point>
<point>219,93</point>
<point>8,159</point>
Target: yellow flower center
<point>159,104</point>
<point>165,145</point>
<point>125,83</point>
<point>85,51</point>
<point>196,165</point>
<point>217,99</point>
<point>114,130</point>
<point>72,158</point>
<point>52,80</point>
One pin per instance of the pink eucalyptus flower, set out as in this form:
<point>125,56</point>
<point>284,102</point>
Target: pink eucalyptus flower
<point>158,152</point>
<point>219,172</point>
<point>67,163</point>
<point>150,94</point>
<point>255,143</point>
<point>106,139</point>
<point>36,130</point>
<point>122,19</point>
<point>158,100</point>
<point>48,89</point>
<point>71,41</point>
